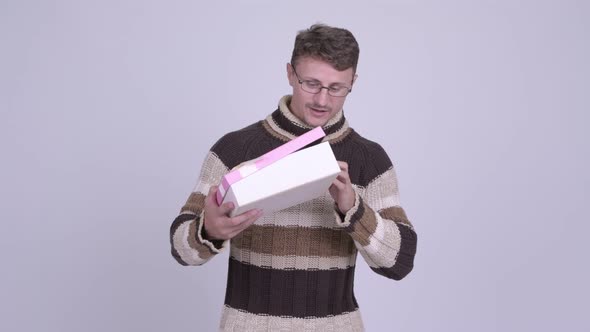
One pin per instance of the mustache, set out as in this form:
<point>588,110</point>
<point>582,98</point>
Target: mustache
<point>319,107</point>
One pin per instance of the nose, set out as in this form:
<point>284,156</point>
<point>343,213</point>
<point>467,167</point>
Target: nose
<point>321,98</point>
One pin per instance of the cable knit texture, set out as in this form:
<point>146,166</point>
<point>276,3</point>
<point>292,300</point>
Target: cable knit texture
<point>293,270</point>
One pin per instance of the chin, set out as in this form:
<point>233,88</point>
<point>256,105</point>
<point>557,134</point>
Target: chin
<point>316,123</point>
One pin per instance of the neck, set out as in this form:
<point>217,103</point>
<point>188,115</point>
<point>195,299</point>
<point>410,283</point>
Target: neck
<point>286,124</point>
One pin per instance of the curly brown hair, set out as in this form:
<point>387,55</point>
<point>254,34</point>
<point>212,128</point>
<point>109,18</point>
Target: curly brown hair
<point>336,46</point>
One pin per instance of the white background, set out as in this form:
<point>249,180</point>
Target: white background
<point>108,108</point>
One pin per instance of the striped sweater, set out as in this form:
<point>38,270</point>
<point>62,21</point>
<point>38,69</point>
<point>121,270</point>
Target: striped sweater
<point>293,269</point>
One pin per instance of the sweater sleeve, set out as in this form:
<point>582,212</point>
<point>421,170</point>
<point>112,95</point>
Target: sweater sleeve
<point>380,228</point>
<point>188,239</point>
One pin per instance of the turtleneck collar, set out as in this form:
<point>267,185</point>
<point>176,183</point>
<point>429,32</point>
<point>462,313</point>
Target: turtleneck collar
<point>288,126</point>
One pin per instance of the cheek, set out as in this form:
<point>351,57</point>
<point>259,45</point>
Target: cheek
<point>338,105</point>
<point>298,102</point>
<point>299,98</point>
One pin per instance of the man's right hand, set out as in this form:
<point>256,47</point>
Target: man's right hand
<point>219,225</point>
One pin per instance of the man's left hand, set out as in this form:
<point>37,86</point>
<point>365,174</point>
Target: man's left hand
<point>341,189</point>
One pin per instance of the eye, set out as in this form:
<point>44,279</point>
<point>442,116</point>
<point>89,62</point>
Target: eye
<point>312,84</point>
<point>337,88</point>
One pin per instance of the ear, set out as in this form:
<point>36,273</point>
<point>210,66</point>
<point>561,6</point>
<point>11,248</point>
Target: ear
<point>290,74</point>
<point>354,78</point>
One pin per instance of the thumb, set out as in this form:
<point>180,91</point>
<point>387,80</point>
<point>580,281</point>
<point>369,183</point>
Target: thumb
<point>212,193</point>
<point>212,190</point>
<point>226,208</point>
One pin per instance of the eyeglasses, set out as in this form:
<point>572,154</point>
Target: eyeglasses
<point>315,87</point>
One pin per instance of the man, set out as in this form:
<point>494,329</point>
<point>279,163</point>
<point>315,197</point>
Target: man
<point>294,269</point>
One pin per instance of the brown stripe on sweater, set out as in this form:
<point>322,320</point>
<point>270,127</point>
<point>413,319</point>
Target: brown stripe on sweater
<point>204,251</point>
<point>295,241</point>
<point>397,214</point>
<point>291,262</point>
<point>195,203</point>
<point>294,293</point>
<point>363,224</point>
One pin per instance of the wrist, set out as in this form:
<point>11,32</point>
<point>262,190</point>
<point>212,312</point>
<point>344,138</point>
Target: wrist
<point>218,243</point>
<point>349,204</point>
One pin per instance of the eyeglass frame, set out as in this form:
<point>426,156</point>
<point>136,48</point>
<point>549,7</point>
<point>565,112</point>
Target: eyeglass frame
<point>301,82</point>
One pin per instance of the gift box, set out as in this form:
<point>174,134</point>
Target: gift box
<point>281,178</point>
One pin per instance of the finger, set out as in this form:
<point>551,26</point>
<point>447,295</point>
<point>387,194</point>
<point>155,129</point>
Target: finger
<point>343,176</point>
<point>249,221</point>
<point>211,196</point>
<point>244,217</point>
<point>339,185</point>
<point>343,165</point>
<point>210,201</point>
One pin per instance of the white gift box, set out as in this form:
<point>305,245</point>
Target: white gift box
<point>281,178</point>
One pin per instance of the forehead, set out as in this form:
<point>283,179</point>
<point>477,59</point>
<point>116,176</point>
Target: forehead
<point>311,68</point>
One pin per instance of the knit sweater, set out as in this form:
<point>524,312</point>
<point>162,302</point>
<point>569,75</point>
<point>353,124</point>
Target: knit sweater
<point>293,270</point>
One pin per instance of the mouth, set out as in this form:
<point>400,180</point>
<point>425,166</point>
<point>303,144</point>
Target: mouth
<point>319,111</point>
